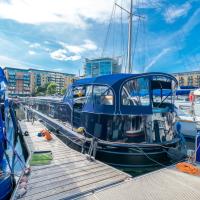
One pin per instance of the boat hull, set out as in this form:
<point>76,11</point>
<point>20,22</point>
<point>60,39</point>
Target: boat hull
<point>128,157</point>
<point>6,187</point>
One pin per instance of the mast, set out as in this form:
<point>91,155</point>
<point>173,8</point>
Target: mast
<point>130,38</point>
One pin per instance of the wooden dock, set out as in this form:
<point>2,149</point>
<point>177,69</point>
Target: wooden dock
<point>71,176</point>
<point>164,184</point>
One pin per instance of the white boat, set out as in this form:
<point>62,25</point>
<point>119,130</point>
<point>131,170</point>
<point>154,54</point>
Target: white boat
<point>188,116</point>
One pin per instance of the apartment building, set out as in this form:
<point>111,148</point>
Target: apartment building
<point>18,81</point>
<point>101,66</point>
<point>23,82</point>
<point>188,78</point>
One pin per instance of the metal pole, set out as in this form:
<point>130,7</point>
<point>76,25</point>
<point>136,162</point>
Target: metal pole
<point>130,39</point>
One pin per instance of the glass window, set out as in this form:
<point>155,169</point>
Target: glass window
<point>82,94</point>
<point>95,69</point>
<point>136,92</point>
<point>68,92</point>
<point>89,94</point>
<point>88,69</point>
<point>103,95</point>
<point>105,67</point>
<point>162,89</point>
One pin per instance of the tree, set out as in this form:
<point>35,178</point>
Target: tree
<point>51,88</point>
<point>41,90</point>
<point>63,91</point>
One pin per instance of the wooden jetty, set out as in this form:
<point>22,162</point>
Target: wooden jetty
<point>72,176</point>
<point>69,175</point>
<point>164,184</point>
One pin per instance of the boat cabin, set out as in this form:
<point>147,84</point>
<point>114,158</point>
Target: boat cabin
<point>127,108</point>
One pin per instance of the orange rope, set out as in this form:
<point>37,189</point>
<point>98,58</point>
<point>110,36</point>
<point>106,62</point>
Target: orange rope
<point>188,168</point>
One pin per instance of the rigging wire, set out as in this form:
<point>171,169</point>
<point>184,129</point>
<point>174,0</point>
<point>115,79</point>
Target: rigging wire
<point>122,37</point>
<point>135,41</point>
<point>114,33</point>
<point>108,31</point>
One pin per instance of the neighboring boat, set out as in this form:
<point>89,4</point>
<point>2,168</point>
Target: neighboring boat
<point>6,181</point>
<point>9,162</point>
<point>188,114</point>
<point>130,116</point>
<point>189,124</point>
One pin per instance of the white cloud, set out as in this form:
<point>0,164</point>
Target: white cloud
<point>35,45</point>
<point>156,58</point>
<point>174,12</point>
<point>87,45</point>
<point>74,12</point>
<point>31,52</point>
<point>62,55</point>
<point>72,48</point>
<point>8,61</point>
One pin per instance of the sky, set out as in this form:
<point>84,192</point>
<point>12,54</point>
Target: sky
<point>59,34</point>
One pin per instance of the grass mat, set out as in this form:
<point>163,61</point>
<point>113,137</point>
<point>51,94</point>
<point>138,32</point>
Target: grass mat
<point>40,159</point>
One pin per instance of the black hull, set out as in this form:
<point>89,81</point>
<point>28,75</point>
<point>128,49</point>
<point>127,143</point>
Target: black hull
<point>130,158</point>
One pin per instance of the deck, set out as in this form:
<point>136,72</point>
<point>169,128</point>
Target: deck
<point>70,173</point>
<point>72,176</point>
<point>164,184</point>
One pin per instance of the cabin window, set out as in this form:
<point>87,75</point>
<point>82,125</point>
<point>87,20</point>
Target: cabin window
<point>162,90</point>
<point>102,95</point>
<point>79,92</point>
<point>136,92</point>
<point>68,93</point>
<point>82,93</point>
<point>89,94</point>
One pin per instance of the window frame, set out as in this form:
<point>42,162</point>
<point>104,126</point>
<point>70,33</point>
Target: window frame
<point>132,79</point>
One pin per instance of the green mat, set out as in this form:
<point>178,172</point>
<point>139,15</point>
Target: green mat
<point>40,159</point>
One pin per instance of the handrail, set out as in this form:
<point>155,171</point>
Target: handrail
<point>113,144</point>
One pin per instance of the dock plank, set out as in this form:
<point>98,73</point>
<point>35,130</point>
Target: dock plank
<point>77,185</point>
<point>68,173</point>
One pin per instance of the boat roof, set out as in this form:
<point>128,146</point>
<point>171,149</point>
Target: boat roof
<point>112,79</point>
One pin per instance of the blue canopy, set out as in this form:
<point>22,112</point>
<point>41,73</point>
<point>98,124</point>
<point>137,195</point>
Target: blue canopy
<point>183,92</point>
<point>188,87</point>
<point>156,92</point>
<point>115,78</point>
<point>116,81</point>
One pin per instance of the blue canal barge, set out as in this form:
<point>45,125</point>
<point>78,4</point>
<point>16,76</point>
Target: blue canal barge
<point>131,116</point>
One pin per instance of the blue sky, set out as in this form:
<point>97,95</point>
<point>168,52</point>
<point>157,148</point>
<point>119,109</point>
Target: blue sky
<point>59,34</point>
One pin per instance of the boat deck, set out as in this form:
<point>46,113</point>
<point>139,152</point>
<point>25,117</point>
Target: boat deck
<point>69,175</point>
